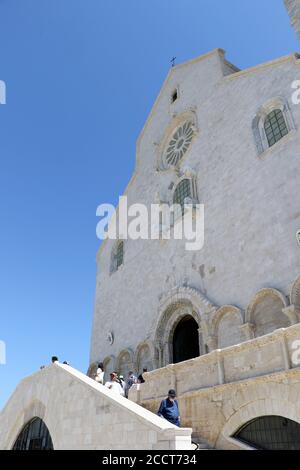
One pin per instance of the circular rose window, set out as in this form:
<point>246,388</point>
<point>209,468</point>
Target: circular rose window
<point>179,143</point>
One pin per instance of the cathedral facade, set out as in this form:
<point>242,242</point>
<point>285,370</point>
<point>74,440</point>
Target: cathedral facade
<point>220,324</point>
<point>158,303</point>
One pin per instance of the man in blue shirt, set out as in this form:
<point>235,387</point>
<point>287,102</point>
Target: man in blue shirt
<point>169,409</point>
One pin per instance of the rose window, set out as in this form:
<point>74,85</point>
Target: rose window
<point>179,143</point>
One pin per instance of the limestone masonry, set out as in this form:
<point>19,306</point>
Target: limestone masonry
<point>221,325</point>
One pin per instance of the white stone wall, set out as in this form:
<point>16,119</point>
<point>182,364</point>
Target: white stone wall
<point>221,391</point>
<point>293,7</point>
<point>251,207</point>
<point>81,414</point>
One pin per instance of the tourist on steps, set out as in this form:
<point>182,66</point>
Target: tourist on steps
<point>141,379</point>
<point>122,383</point>
<point>114,384</point>
<point>169,409</point>
<point>100,374</point>
<point>131,379</point>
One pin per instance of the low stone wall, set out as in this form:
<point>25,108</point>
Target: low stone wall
<point>221,391</point>
<point>81,414</point>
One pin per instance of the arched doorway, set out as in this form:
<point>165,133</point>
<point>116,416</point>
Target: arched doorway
<point>186,340</point>
<point>34,436</point>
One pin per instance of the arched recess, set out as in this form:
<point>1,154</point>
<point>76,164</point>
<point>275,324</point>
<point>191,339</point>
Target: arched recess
<point>265,311</point>
<point>91,372</point>
<point>35,435</point>
<point>295,293</point>
<point>109,364</point>
<point>177,304</point>
<point>144,357</point>
<point>225,326</point>
<point>34,409</point>
<point>271,432</point>
<point>124,363</point>
<point>252,410</point>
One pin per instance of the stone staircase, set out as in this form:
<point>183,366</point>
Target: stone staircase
<point>200,444</point>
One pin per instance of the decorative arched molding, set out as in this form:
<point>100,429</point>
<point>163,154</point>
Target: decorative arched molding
<point>91,372</point>
<point>109,365</point>
<point>185,293</point>
<point>262,407</point>
<point>227,313</point>
<point>278,102</point>
<point>268,312</point>
<point>219,314</point>
<point>125,352</point>
<point>35,409</point>
<point>173,307</point>
<point>261,294</point>
<point>295,293</point>
<point>136,360</point>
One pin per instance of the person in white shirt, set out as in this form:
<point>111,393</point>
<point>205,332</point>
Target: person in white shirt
<point>100,374</point>
<point>114,384</point>
<point>122,383</point>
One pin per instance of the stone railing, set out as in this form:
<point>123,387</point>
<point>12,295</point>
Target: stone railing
<point>82,414</point>
<point>265,355</point>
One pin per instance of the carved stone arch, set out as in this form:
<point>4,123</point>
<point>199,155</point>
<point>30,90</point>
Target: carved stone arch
<point>185,293</point>
<point>144,356</point>
<point>35,409</point>
<point>109,365</point>
<point>226,326</point>
<point>174,306</point>
<point>295,293</point>
<point>266,311</point>
<point>125,362</point>
<point>91,372</point>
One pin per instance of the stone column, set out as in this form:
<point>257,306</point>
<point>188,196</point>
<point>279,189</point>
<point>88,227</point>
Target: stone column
<point>212,343</point>
<point>200,342</point>
<point>248,330</point>
<point>293,313</point>
<point>221,370</point>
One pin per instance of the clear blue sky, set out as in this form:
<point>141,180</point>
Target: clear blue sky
<point>81,78</point>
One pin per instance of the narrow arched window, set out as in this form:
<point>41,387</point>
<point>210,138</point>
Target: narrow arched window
<point>34,436</point>
<point>119,255</point>
<point>275,126</point>
<point>182,191</point>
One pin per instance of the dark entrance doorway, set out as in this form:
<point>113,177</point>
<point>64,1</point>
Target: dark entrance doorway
<point>186,340</point>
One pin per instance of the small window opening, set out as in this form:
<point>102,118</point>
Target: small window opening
<point>174,96</point>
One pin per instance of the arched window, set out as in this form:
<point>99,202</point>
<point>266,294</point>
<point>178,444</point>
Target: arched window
<point>34,436</point>
<point>119,254</point>
<point>273,121</point>
<point>182,191</point>
<point>275,126</point>
<point>117,258</point>
<point>270,433</point>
